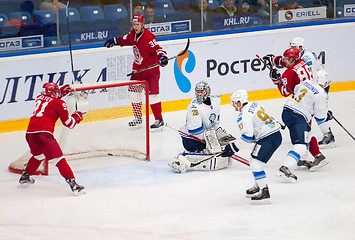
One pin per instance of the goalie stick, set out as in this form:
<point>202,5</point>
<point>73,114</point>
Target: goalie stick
<point>235,157</point>
<point>156,64</point>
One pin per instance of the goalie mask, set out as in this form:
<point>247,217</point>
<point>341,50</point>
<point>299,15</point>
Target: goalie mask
<point>298,43</point>
<point>239,96</point>
<point>51,90</point>
<point>202,91</point>
<point>323,78</point>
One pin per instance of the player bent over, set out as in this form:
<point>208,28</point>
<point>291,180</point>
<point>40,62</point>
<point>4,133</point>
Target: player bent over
<point>147,52</point>
<point>39,134</point>
<point>202,136</point>
<point>309,98</point>
<point>297,71</point>
<point>255,126</point>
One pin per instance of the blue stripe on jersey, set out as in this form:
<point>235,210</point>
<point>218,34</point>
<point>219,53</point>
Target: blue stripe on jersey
<point>268,134</point>
<point>294,155</point>
<point>320,120</point>
<point>196,131</point>
<point>259,175</point>
<point>247,138</point>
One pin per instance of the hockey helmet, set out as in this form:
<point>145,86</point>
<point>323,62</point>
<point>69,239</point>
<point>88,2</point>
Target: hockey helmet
<point>51,90</point>
<point>298,42</point>
<point>138,19</point>
<point>202,91</point>
<point>323,78</point>
<point>293,53</point>
<point>239,96</point>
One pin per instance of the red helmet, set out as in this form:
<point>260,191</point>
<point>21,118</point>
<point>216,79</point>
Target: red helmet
<point>292,53</point>
<point>49,89</point>
<point>138,18</point>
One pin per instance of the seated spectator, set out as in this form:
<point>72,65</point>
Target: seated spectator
<point>227,9</point>
<point>291,4</point>
<point>51,5</point>
<point>149,14</point>
<point>137,8</point>
<point>263,9</point>
<point>196,17</point>
<point>125,25</point>
<point>245,8</point>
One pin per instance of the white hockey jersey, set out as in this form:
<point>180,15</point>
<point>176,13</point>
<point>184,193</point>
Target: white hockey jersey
<point>311,60</point>
<point>201,116</point>
<point>254,123</point>
<point>309,100</point>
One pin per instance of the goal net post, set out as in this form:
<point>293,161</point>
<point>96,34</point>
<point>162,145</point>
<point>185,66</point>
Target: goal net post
<point>105,130</point>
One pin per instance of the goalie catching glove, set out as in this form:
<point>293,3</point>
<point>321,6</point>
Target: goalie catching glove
<point>223,137</point>
<point>111,42</point>
<point>275,76</point>
<point>230,150</point>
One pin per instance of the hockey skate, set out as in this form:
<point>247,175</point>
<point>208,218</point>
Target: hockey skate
<point>26,179</point>
<point>304,164</point>
<point>263,197</point>
<point>328,140</point>
<point>253,191</point>
<point>286,174</point>
<point>157,125</point>
<point>76,188</point>
<point>181,164</point>
<point>135,122</point>
<point>319,162</point>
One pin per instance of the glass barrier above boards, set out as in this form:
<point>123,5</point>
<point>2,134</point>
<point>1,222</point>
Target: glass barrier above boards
<point>41,24</point>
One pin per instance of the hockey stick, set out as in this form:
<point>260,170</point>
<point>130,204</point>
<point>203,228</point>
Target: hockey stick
<point>156,64</point>
<point>189,135</point>
<point>344,128</point>
<point>270,68</point>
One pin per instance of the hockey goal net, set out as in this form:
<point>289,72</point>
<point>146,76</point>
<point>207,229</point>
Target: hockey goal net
<point>104,130</point>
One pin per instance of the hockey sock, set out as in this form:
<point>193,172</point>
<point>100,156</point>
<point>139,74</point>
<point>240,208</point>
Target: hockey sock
<point>32,165</point>
<point>65,169</point>
<point>137,109</point>
<point>260,178</point>
<point>313,147</point>
<point>156,109</point>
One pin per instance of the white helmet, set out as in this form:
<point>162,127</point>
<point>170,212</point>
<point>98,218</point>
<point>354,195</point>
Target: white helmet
<point>298,42</point>
<point>323,78</point>
<point>202,86</point>
<point>239,96</point>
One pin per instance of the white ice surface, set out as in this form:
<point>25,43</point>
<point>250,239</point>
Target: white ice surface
<point>133,200</point>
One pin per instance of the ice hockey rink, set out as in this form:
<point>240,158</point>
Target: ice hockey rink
<point>128,199</point>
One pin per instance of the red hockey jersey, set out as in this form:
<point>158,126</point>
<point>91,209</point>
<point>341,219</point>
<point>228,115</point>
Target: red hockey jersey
<point>46,114</point>
<point>294,75</point>
<point>146,50</point>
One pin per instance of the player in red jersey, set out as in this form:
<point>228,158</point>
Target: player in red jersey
<point>39,134</point>
<point>146,52</point>
<point>297,71</point>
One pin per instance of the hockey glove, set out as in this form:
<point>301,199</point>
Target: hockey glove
<point>230,150</point>
<point>111,42</point>
<point>269,60</point>
<point>64,90</point>
<point>78,116</point>
<point>163,60</point>
<point>275,76</point>
<point>329,115</point>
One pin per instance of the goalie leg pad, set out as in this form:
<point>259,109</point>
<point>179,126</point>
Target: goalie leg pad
<point>181,164</point>
<point>215,163</point>
<point>212,143</point>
